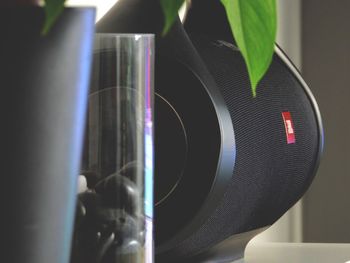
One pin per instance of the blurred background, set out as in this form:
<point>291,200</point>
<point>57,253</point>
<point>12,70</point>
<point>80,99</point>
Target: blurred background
<point>315,34</point>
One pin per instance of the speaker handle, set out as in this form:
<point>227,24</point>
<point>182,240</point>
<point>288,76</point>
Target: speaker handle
<point>208,17</point>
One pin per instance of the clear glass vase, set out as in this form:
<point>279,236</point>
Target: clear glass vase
<point>114,217</point>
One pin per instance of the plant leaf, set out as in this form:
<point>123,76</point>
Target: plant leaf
<point>254,25</point>
<point>53,9</point>
<point>170,11</point>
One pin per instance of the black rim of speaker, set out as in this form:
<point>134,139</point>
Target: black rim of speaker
<point>211,125</point>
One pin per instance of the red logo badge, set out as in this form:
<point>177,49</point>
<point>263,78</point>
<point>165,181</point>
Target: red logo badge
<point>289,127</point>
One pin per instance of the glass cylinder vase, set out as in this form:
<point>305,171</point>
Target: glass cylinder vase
<point>114,217</point>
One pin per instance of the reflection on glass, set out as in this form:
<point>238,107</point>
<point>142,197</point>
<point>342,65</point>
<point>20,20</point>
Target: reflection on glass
<point>114,217</point>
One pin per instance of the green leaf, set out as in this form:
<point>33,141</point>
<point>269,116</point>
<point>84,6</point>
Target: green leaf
<point>170,11</point>
<point>254,26</point>
<point>53,9</point>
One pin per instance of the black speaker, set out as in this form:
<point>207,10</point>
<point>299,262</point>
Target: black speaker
<point>227,165</point>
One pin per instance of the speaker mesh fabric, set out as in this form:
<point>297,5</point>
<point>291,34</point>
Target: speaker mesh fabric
<point>269,175</point>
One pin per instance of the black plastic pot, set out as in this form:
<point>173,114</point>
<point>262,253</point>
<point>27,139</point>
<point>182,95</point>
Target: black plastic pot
<point>44,86</point>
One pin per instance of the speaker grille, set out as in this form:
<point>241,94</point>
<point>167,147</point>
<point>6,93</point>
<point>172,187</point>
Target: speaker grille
<point>269,175</point>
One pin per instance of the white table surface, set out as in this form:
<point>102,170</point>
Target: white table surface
<point>296,253</point>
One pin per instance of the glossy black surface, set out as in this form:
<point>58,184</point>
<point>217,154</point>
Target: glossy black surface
<point>173,149</point>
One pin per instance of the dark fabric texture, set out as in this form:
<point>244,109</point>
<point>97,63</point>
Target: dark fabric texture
<point>270,175</point>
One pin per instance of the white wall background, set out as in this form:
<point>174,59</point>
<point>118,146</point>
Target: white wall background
<point>289,227</point>
<point>102,5</point>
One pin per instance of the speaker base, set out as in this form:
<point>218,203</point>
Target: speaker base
<point>229,250</point>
